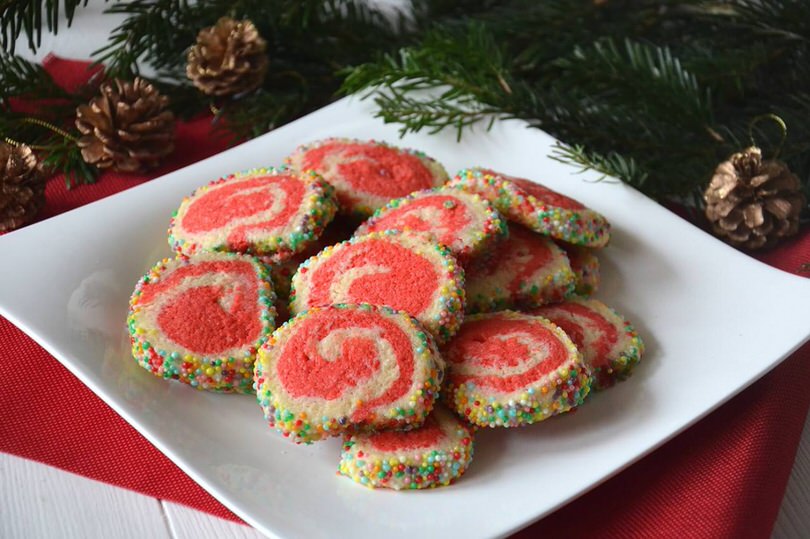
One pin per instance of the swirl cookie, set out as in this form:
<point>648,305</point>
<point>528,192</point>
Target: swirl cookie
<point>510,369</point>
<point>367,174</point>
<point>536,207</point>
<point>608,343</point>
<point>200,320</point>
<point>526,270</point>
<point>346,368</point>
<point>466,224</point>
<point>433,455</point>
<point>267,212</point>
<point>386,268</point>
<point>585,265</point>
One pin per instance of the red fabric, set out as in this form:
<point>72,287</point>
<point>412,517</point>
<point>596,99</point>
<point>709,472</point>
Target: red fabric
<point>724,477</point>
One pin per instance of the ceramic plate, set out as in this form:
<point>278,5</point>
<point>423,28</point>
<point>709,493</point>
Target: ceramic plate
<point>713,319</point>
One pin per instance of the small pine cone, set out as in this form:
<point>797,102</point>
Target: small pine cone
<point>127,128</point>
<point>22,186</point>
<point>229,58</point>
<point>753,203</point>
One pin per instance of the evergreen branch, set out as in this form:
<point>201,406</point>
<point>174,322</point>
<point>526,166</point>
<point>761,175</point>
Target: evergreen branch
<point>611,164</point>
<point>59,153</point>
<point>23,79</point>
<point>18,16</point>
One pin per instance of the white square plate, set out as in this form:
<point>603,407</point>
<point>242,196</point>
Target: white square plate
<point>714,320</point>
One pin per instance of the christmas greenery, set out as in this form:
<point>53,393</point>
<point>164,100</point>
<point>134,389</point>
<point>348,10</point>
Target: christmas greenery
<point>655,93</point>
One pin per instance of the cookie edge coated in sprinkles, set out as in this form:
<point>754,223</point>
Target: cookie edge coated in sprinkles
<point>301,429</point>
<point>537,401</point>
<point>200,371</point>
<point>584,227</point>
<point>320,208</point>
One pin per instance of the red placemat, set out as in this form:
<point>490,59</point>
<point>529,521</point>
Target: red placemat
<point>724,477</point>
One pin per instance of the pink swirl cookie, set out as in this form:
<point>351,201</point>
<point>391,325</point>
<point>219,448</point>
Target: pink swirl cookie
<point>367,174</point>
<point>433,455</point>
<point>391,268</point>
<point>526,270</point>
<point>510,369</point>
<point>269,212</point>
<point>466,224</point>
<point>537,207</point>
<point>200,320</point>
<point>345,368</point>
<point>608,343</point>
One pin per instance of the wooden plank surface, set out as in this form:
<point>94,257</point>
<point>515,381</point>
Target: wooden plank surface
<point>41,501</point>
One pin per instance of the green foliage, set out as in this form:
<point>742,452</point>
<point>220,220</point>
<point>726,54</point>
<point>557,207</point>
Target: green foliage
<point>657,107</point>
<point>653,92</point>
<point>55,109</point>
<point>18,16</point>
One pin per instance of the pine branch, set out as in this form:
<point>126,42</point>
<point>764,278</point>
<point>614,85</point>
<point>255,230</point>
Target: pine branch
<point>18,16</point>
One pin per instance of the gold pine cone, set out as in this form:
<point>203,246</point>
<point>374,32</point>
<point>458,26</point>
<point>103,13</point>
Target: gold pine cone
<point>228,58</point>
<point>753,203</point>
<point>22,186</point>
<point>127,128</point>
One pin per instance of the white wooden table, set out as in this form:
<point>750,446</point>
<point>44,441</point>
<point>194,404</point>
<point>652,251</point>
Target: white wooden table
<point>41,501</point>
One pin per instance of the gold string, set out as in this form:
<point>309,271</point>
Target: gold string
<point>779,121</point>
<point>41,123</point>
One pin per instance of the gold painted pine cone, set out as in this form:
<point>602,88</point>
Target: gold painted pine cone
<point>22,186</point>
<point>228,58</point>
<point>753,203</point>
<point>127,128</point>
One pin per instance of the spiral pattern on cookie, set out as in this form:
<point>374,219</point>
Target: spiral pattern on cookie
<point>466,224</point>
<point>609,344</point>
<point>526,270</point>
<point>367,174</point>
<point>267,212</point>
<point>346,368</point>
<point>395,269</point>
<point>511,369</point>
<point>433,455</point>
<point>200,320</point>
<point>536,207</point>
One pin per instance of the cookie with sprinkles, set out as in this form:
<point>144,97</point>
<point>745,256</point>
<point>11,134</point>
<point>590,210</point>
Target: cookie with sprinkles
<point>585,265</point>
<point>386,268</point>
<point>347,368</point>
<point>433,455</point>
<point>464,222</point>
<point>266,212</point>
<point>608,343</point>
<point>367,174</point>
<point>509,369</point>
<point>526,270</point>
<point>201,319</point>
<point>537,207</point>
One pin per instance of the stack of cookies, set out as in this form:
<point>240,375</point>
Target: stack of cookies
<point>430,307</point>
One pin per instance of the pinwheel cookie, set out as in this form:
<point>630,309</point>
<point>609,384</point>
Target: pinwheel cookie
<point>509,369</point>
<point>367,174</point>
<point>465,223</point>
<point>396,269</point>
<point>433,455</point>
<point>536,207</point>
<point>526,270</point>
<point>609,344</point>
<point>347,368</point>
<point>200,320</point>
<point>269,212</point>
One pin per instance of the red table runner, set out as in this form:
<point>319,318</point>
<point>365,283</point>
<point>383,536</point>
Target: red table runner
<point>724,477</point>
